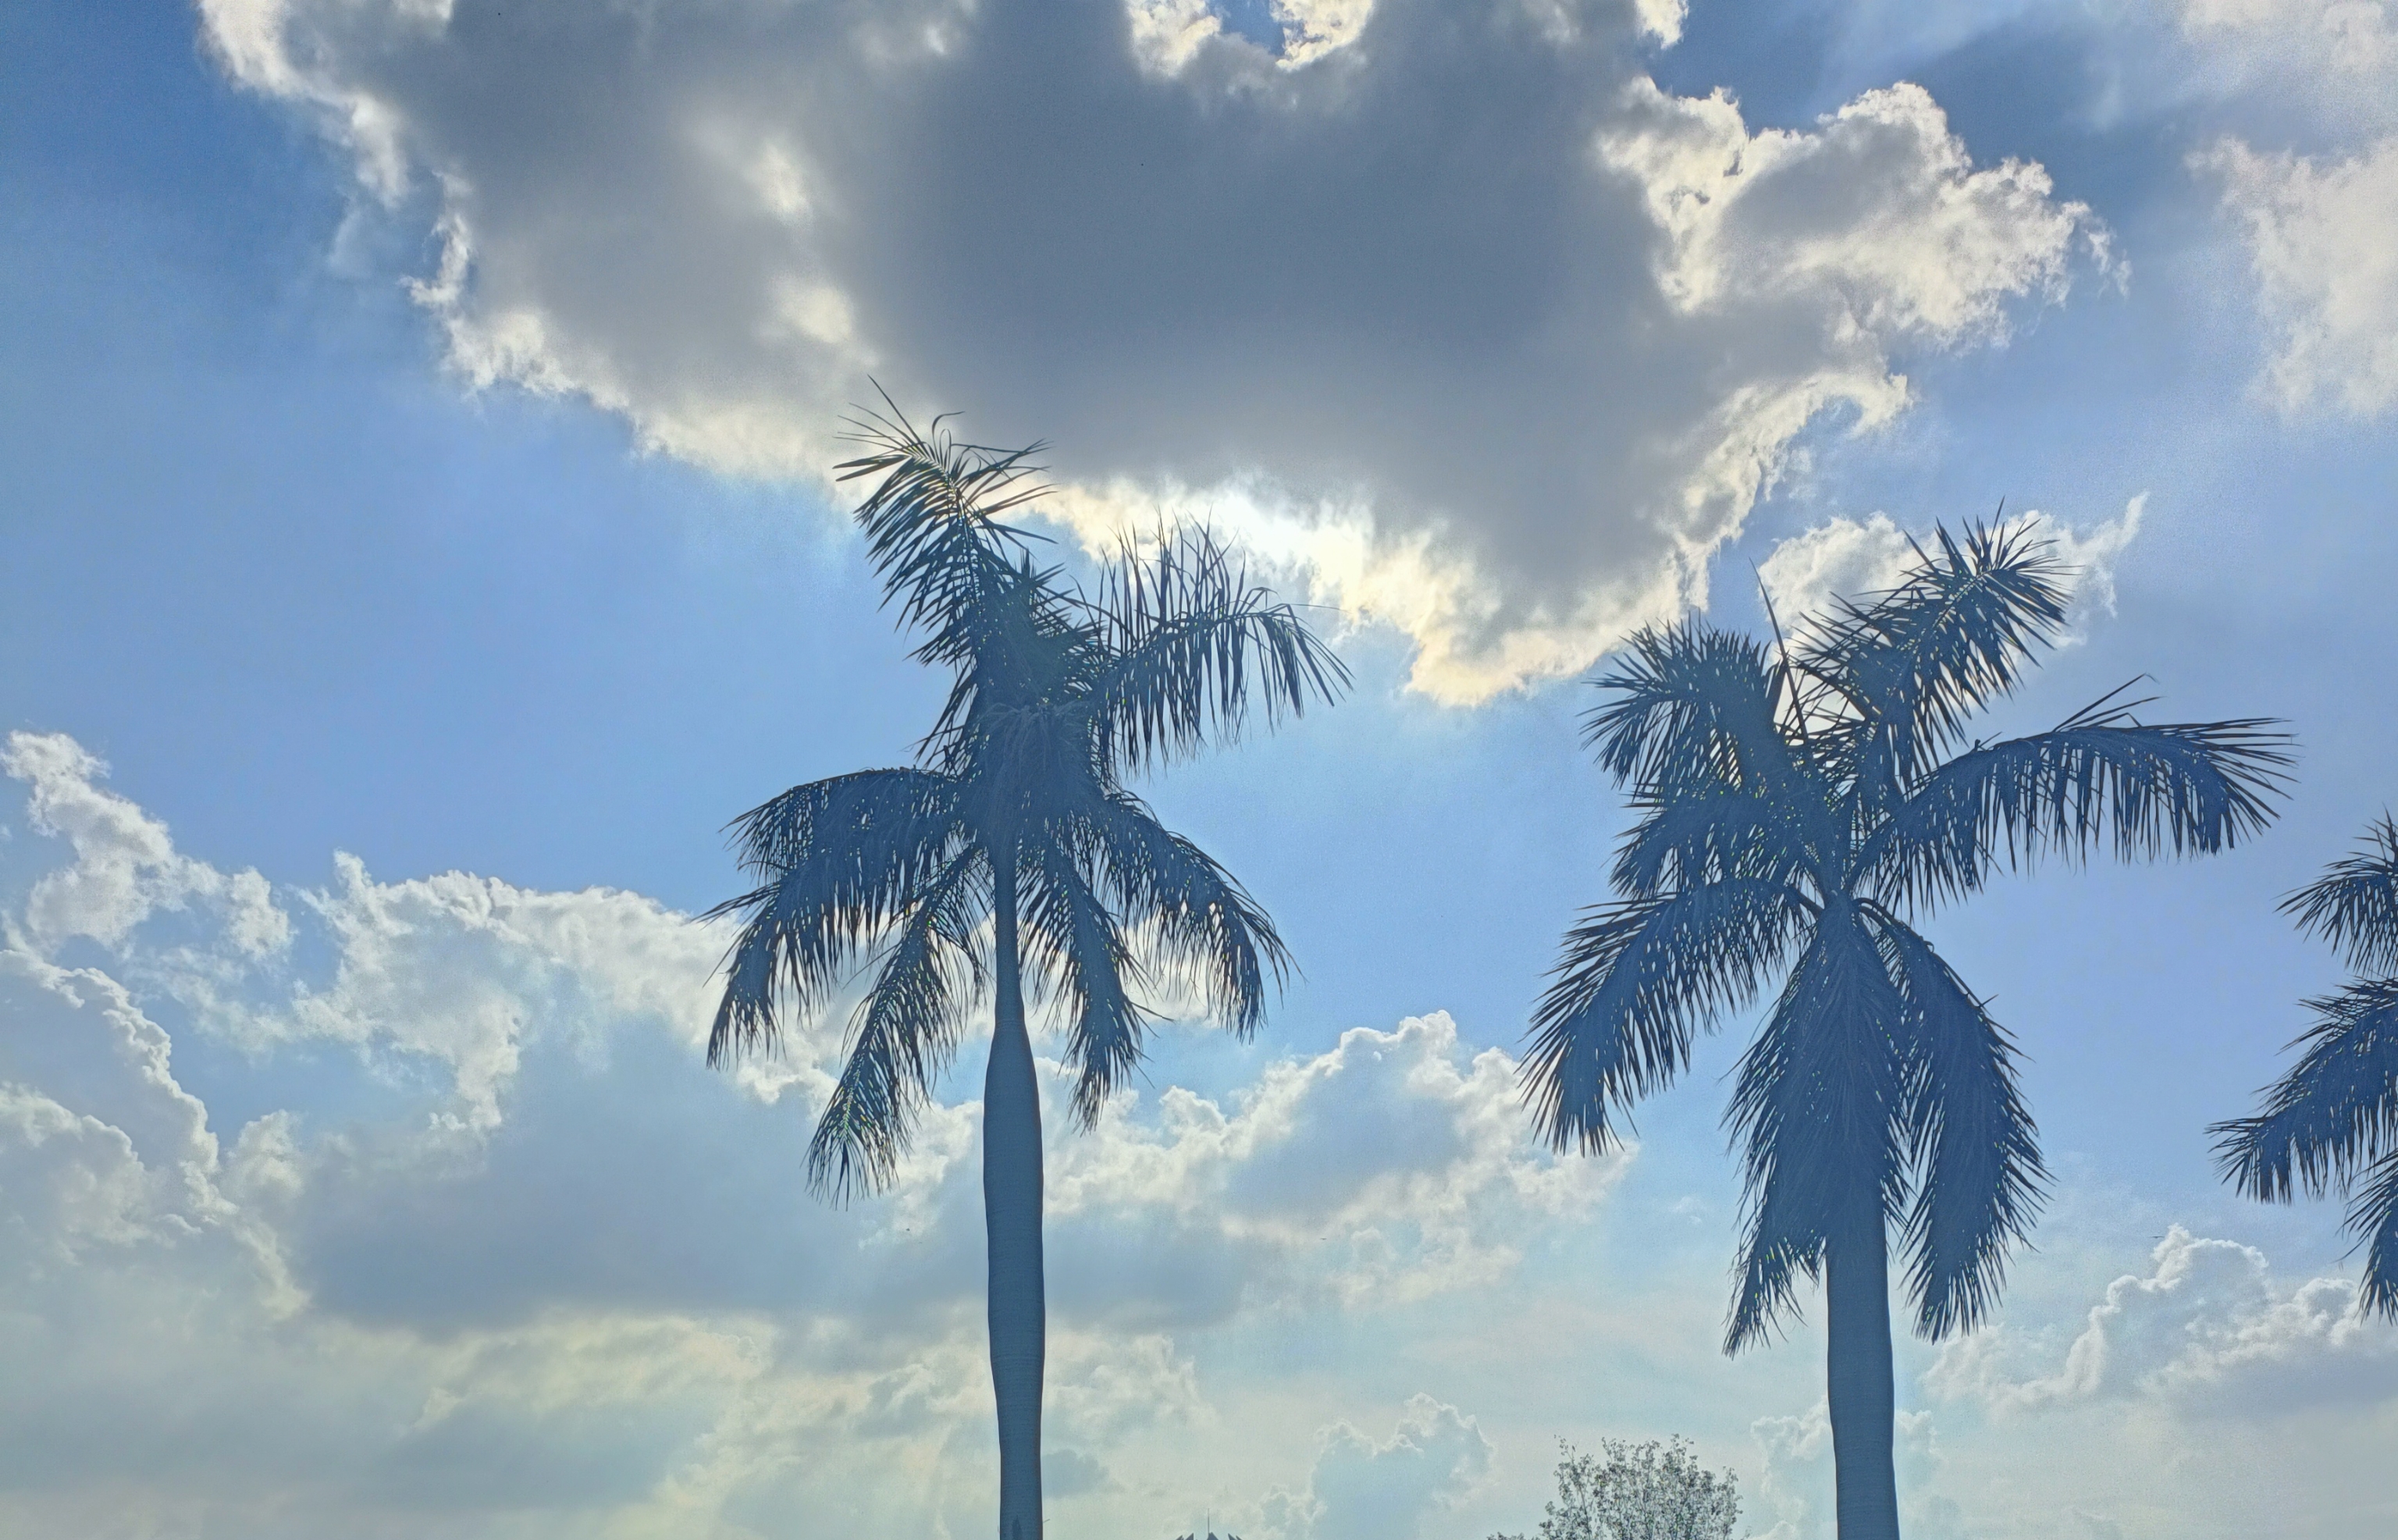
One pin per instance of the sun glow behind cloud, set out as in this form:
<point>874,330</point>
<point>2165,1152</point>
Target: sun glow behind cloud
<point>1510,405</point>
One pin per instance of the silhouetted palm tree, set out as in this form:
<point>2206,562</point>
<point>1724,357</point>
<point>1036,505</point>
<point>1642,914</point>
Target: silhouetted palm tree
<point>1016,813</point>
<point>1802,801</point>
<point>2333,1120</point>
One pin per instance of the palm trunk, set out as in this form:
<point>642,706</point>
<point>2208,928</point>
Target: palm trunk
<point>1011,1212</point>
<point>1857,1371</point>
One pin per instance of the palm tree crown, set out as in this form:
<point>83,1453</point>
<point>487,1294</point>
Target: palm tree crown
<point>1803,805</point>
<point>2331,1121</point>
<point>1057,695</point>
<point>1015,814</point>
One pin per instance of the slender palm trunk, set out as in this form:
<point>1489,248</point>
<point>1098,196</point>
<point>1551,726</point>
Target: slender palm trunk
<point>1011,1212</point>
<point>1857,1371</point>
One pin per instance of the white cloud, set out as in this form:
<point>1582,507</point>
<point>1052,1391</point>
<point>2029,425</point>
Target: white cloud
<point>126,866</point>
<point>2206,1328</point>
<point>1312,29</point>
<point>2314,219</point>
<point>2347,39</point>
<point>2318,237</point>
<point>1394,1488</point>
<point>1467,321</point>
<point>1849,557</point>
<point>607,1307</point>
<point>1166,34</point>
<point>1880,209</point>
<point>596,1299</point>
<point>1388,1169</point>
<point>465,969</point>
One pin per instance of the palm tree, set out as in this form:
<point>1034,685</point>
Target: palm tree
<point>1016,813</point>
<point>1808,801</point>
<point>2333,1120</point>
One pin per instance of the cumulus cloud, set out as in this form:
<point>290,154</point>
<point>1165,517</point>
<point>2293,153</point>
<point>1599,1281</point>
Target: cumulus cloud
<point>125,866</point>
<point>1388,1169</point>
<point>1391,1489</point>
<point>2314,215</point>
<point>2206,1328</point>
<point>2318,235</point>
<point>493,1249</point>
<point>1456,312</point>
<point>1849,557</point>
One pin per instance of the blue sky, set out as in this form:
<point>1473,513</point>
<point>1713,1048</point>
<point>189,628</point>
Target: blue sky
<point>416,548</point>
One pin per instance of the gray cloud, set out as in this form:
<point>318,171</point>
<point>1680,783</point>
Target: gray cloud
<point>509,1259</point>
<point>1461,316</point>
<point>1368,1489</point>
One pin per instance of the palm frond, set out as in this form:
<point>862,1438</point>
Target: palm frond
<point>1691,711</point>
<point>2337,1109</point>
<point>1782,1241</point>
<point>1192,644</point>
<point>1018,643</point>
<point>2099,779</point>
<point>2355,905</point>
<point>1817,1109</point>
<point>1682,842</point>
<point>1916,662</point>
<point>906,1032</point>
<point>1076,943</point>
<point>1973,1145</point>
<point>933,523</point>
<point>2373,1219</point>
<point>1636,983</point>
<point>843,860</point>
<point>1203,920</point>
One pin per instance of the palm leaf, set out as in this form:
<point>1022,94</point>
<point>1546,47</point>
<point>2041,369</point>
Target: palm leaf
<point>2373,1219</point>
<point>844,859</point>
<point>906,1032</point>
<point>2187,788</point>
<point>1684,840</point>
<point>2337,1109</point>
<point>1691,712</point>
<point>1204,921</point>
<point>1191,644</point>
<point>932,523</point>
<point>1974,1143</point>
<point>1816,1111</point>
<point>2355,905</point>
<point>1076,943</point>
<point>1916,662</point>
<point>1637,981</point>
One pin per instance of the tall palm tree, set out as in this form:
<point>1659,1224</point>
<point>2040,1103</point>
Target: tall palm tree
<point>2333,1120</point>
<point>1016,813</point>
<point>1806,803</point>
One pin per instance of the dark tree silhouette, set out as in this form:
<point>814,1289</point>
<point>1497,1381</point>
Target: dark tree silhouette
<point>1017,813</point>
<point>1809,800</point>
<point>2332,1122</point>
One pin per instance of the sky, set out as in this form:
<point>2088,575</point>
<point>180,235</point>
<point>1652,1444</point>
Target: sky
<point>417,543</point>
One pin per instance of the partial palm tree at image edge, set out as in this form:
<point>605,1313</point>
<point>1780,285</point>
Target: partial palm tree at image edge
<point>1011,846</point>
<point>1800,806</point>
<point>2331,1123</point>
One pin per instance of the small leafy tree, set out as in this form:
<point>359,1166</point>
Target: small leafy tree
<point>1656,1490</point>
